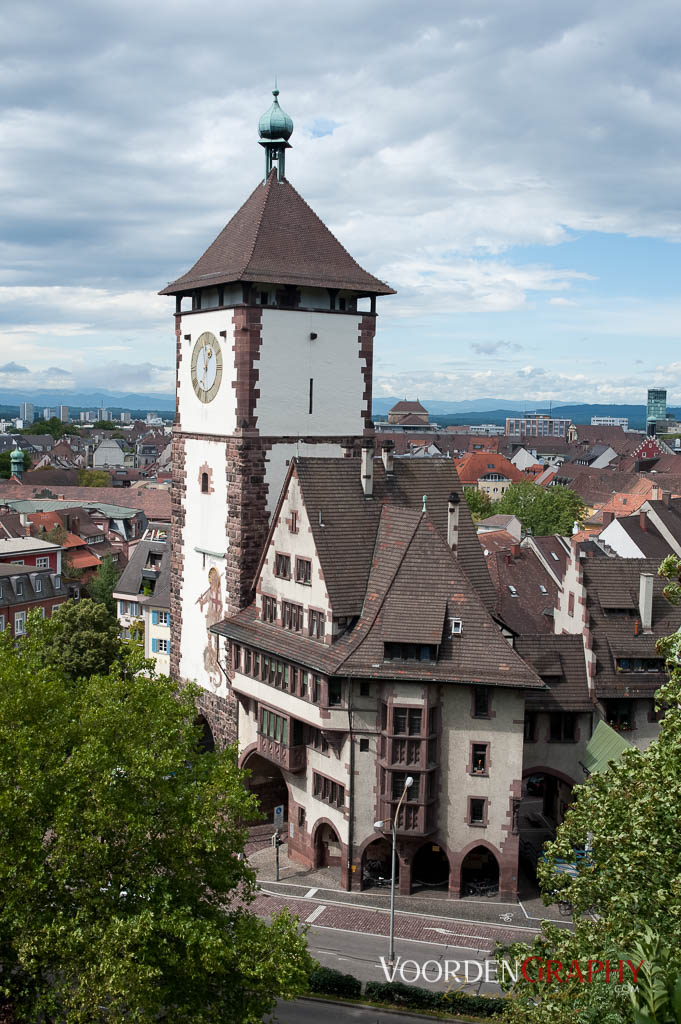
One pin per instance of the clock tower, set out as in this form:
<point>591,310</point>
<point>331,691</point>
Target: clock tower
<point>274,328</point>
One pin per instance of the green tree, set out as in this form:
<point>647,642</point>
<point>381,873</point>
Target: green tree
<point>480,503</point>
<point>5,465</point>
<point>83,638</point>
<point>542,510</point>
<point>53,426</point>
<point>94,478</point>
<point>122,895</point>
<point>103,583</point>
<point>628,818</point>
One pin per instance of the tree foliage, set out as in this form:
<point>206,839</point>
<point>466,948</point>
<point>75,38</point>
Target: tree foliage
<point>82,637</point>
<point>542,510</point>
<point>122,898</point>
<point>480,503</point>
<point>103,583</point>
<point>628,819</point>
<point>94,478</point>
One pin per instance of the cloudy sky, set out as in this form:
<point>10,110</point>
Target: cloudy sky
<point>512,167</point>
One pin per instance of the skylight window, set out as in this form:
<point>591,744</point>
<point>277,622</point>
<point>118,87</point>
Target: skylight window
<point>554,556</point>
<point>513,591</point>
<point>456,627</point>
<point>543,589</point>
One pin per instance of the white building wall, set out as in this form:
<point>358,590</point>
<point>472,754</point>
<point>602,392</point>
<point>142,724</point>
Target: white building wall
<point>279,457</point>
<point>219,416</point>
<point>616,537</point>
<point>204,598</point>
<point>289,358</point>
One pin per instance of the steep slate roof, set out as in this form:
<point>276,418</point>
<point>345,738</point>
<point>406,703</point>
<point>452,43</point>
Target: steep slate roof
<point>496,540</point>
<point>332,489</point>
<point>131,581</point>
<point>529,610</point>
<point>612,591</point>
<point>406,406</point>
<point>559,661</point>
<point>414,580</point>
<point>277,238</point>
<point>649,541</point>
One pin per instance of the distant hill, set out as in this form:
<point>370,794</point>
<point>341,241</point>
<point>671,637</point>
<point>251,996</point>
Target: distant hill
<point>381,406</point>
<point>76,400</point>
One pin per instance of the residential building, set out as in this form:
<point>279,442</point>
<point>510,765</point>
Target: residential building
<point>489,472</point>
<point>25,588</point>
<point>652,532</point>
<point>610,421</point>
<point>356,662</point>
<point>26,413</point>
<point>537,425</point>
<point>511,524</point>
<point>31,551</point>
<point>108,452</point>
<point>408,414</point>
<point>143,600</point>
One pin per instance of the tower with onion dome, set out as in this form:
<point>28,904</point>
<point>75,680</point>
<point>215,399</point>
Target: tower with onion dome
<point>274,328</point>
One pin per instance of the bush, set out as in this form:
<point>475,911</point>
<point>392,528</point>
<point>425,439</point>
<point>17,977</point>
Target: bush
<point>328,982</point>
<point>414,998</point>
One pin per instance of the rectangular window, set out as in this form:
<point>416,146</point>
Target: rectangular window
<point>316,623</point>
<point>397,787</point>
<point>327,790</point>
<point>282,566</point>
<point>365,689</point>
<point>164,618</point>
<point>122,607</point>
<point>311,395</point>
<point>476,811</point>
<point>2,623</point>
<point>293,525</point>
<point>618,715</point>
<point>479,763</point>
<point>481,702</point>
<point>20,623</point>
<point>42,563</point>
<point>269,609</point>
<point>20,588</point>
<point>561,728</point>
<point>57,586</point>
<point>38,587</point>
<point>303,571</point>
<point>335,693</point>
<point>274,726</point>
<point>163,647</point>
<point>236,656</point>
<point>292,616</point>
<point>396,651</point>
<point>407,721</point>
<point>256,665</point>
<point>317,696</point>
<point>134,608</point>
<point>303,684</point>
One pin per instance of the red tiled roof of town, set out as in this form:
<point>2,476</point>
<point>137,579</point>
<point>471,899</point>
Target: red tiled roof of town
<point>83,559</point>
<point>474,465</point>
<point>275,237</point>
<point>153,501</point>
<point>496,540</point>
<point>410,419</point>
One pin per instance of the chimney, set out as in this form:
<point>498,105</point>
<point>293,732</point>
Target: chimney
<point>453,520</point>
<point>515,550</point>
<point>387,454</point>
<point>368,467</point>
<point>643,520</point>
<point>657,494</point>
<point>348,445</point>
<point>645,601</point>
<point>608,518</point>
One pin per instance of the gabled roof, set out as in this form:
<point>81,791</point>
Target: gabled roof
<point>522,604</point>
<point>333,496</point>
<point>277,238</point>
<point>131,582</point>
<point>407,406</point>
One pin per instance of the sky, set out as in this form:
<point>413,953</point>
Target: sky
<point>512,168</point>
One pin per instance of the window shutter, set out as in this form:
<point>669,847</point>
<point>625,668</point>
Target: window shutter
<point>154,646</point>
<point>154,618</point>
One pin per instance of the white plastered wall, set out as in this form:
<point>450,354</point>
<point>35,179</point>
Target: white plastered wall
<point>218,416</point>
<point>203,592</point>
<point>289,358</point>
<point>278,459</point>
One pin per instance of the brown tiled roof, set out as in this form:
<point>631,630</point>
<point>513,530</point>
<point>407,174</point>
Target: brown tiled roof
<point>559,661</point>
<point>614,437</point>
<point>411,420</point>
<point>277,238</point>
<point>529,609</point>
<point>650,541</point>
<point>597,486</point>
<point>496,540</point>
<point>612,593</point>
<point>332,490</point>
<point>406,406</point>
<point>474,465</point>
<point>153,501</point>
<point>499,521</point>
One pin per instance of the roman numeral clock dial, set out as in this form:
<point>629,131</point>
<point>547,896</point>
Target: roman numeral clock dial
<point>206,367</point>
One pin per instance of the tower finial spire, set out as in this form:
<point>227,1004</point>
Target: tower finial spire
<point>275,128</point>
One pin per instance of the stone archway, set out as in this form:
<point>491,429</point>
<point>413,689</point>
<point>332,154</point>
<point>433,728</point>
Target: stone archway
<point>328,852</point>
<point>480,866</point>
<point>207,740</point>
<point>267,782</point>
<point>545,797</point>
<point>430,868</point>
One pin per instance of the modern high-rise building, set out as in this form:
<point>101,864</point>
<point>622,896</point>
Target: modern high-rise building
<point>26,412</point>
<point>656,408</point>
<point>537,425</point>
<point>610,421</point>
<point>125,417</point>
<point>63,413</point>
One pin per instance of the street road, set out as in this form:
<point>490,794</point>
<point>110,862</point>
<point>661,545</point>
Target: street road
<point>304,1011</point>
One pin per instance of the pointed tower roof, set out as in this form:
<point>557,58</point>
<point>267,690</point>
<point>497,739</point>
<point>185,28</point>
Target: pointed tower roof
<point>277,238</point>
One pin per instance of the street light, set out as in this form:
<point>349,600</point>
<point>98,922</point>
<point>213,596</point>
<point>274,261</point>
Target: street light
<point>393,824</point>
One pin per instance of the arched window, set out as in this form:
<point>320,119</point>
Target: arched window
<point>204,483</point>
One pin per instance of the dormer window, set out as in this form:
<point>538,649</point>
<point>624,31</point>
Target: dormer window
<point>38,586</point>
<point>455,627</point>
<point>395,651</point>
<point>20,588</point>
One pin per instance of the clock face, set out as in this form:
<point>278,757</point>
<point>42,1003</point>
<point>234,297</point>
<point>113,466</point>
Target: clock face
<point>206,367</point>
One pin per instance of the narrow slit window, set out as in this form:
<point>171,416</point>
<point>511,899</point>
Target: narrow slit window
<point>311,394</point>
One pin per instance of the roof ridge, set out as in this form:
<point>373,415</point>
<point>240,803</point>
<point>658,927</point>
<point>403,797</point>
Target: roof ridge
<point>268,191</point>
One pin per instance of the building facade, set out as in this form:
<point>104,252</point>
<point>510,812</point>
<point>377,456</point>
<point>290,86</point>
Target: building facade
<point>537,425</point>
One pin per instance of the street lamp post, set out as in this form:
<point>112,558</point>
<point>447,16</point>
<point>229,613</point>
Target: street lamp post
<point>393,824</point>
